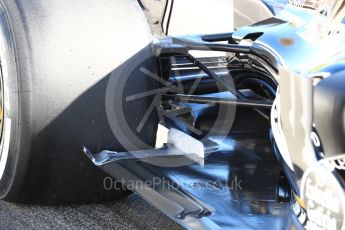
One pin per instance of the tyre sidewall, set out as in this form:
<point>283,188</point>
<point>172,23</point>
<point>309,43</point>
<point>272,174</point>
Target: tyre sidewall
<point>15,101</point>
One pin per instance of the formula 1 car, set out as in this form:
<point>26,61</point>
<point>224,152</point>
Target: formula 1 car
<point>280,82</point>
<point>56,61</point>
<point>229,130</point>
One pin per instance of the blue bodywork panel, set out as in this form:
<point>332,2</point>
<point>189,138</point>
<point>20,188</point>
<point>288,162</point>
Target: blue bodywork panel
<point>275,5</point>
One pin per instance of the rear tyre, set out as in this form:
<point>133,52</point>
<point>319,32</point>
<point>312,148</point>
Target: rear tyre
<point>56,59</point>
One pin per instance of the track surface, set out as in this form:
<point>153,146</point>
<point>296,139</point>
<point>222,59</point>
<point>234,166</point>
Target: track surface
<point>130,213</point>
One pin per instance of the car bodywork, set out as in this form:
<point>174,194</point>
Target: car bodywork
<point>168,17</point>
<point>199,186</point>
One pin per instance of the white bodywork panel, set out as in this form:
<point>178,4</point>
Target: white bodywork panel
<point>201,17</point>
<point>247,12</point>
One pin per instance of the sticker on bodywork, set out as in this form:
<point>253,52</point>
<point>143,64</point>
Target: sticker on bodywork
<point>312,4</point>
<point>323,195</point>
<point>325,27</point>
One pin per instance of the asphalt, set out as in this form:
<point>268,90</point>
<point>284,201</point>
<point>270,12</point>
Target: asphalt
<point>129,213</point>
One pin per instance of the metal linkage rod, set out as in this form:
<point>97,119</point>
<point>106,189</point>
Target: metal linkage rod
<point>215,100</point>
<point>209,46</point>
<point>216,77</point>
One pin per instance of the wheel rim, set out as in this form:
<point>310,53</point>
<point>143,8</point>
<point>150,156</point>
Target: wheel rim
<point>1,107</point>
